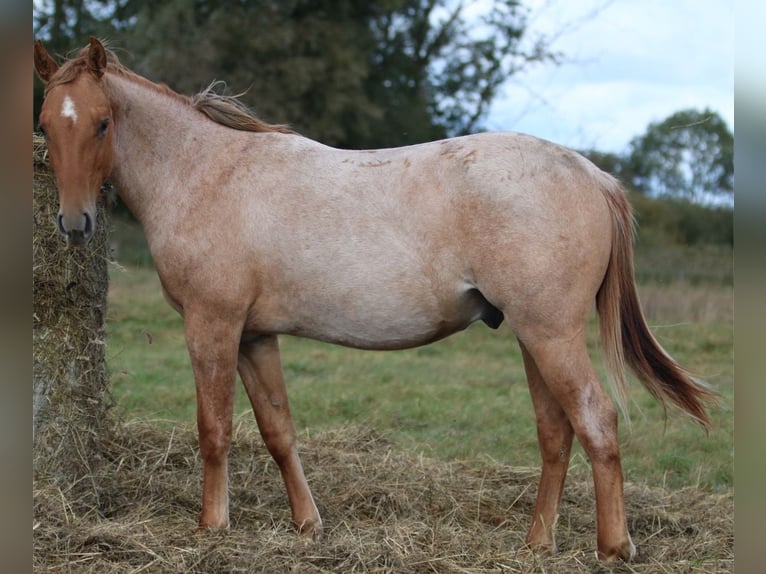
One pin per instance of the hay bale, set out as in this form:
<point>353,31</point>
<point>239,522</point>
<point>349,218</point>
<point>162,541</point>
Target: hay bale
<point>70,393</point>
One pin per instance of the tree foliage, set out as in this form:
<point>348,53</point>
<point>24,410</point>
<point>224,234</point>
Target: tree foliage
<point>294,62</point>
<point>352,73</point>
<point>619,165</point>
<point>690,154</point>
<point>66,24</point>
<point>435,70</point>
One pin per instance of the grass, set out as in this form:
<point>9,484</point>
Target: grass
<point>463,398</point>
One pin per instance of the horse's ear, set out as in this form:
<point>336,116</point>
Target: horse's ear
<point>96,57</point>
<point>45,65</point>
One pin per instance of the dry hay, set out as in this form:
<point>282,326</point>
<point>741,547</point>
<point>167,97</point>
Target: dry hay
<point>384,510</point>
<point>70,396</point>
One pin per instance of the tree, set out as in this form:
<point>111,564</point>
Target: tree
<point>435,71</point>
<point>67,23</point>
<point>351,73</point>
<point>617,164</point>
<point>297,62</point>
<point>690,155</point>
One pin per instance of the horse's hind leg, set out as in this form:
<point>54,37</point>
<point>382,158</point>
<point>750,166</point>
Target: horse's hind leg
<point>261,371</point>
<point>554,435</point>
<point>567,371</point>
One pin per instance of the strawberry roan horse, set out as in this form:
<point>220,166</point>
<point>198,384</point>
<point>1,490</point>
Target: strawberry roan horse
<point>256,231</point>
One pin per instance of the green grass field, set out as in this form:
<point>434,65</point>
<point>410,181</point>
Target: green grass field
<point>462,398</point>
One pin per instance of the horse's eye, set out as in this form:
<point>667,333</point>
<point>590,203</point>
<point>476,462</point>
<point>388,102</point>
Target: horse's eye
<point>103,125</point>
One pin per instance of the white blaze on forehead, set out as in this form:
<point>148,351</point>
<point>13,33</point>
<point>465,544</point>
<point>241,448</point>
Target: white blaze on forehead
<point>67,109</point>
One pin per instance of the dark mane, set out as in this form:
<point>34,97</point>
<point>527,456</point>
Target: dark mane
<point>227,111</point>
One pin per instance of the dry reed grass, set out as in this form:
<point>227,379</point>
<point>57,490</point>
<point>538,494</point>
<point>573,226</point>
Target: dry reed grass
<point>385,511</point>
<point>687,303</point>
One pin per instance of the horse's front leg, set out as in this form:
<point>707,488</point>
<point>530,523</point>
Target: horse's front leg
<point>212,343</point>
<point>261,371</point>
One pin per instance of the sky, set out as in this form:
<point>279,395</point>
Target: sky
<point>628,63</point>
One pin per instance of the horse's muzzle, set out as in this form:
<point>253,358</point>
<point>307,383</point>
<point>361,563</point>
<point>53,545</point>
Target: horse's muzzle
<point>76,231</point>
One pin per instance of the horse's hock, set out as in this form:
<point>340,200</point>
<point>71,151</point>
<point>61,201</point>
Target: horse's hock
<point>70,392</point>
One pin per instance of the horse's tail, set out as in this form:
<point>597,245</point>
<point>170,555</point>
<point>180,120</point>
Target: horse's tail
<point>626,337</point>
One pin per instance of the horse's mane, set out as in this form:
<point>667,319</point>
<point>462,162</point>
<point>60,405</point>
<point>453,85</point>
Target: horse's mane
<point>231,112</point>
<point>225,110</point>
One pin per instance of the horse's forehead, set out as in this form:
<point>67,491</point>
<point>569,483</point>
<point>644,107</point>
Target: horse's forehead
<point>75,101</point>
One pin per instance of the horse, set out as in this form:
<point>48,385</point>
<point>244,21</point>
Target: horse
<point>257,231</point>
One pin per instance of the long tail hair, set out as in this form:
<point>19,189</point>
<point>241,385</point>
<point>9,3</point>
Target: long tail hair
<point>626,337</point>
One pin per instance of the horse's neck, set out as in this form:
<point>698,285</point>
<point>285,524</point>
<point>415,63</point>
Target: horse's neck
<point>151,128</point>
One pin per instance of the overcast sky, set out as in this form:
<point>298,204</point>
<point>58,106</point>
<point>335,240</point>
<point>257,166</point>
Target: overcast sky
<point>633,62</point>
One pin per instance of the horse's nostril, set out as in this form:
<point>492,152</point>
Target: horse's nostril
<point>60,224</point>
<point>88,224</point>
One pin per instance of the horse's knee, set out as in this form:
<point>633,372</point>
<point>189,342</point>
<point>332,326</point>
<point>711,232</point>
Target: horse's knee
<point>214,443</point>
<point>281,444</point>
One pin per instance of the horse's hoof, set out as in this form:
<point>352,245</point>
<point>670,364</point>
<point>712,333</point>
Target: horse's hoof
<point>206,528</point>
<point>532,550</point>
<point>625,552</point>
<point>310,529</point>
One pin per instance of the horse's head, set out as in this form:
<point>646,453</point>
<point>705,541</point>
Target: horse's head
<point>76,119</point>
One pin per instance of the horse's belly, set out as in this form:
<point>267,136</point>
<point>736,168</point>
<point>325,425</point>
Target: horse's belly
<point>392,321</point>
<point>401,333</point>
